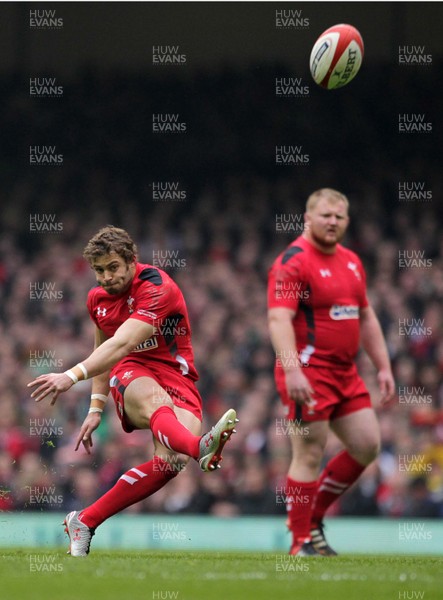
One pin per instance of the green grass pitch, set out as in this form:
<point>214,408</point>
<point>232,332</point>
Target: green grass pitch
<point>49,574</point>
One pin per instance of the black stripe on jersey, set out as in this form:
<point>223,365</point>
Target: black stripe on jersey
<point>152,275</point>
<point>169,328</point>
<point>309,315</point>
<point>292,251</point>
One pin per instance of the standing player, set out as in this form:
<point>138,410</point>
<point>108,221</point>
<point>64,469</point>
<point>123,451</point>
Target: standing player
<point>142,353</point>
<point>318,315</point>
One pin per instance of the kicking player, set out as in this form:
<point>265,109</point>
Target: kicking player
<point>318,316</point>
<point>143,355</point>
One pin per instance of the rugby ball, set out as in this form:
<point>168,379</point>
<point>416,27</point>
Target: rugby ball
<point>336,56</point>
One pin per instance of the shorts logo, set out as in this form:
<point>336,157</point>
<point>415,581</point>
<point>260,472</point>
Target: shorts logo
<point>101,312</point>
<point>339,313</point>
<point>127,374</point>
<point>148,344</point>
<point>311,407</point>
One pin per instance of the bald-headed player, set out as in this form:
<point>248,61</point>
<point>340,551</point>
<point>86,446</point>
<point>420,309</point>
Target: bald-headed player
<point>319,316</point>
<point>143,355</point>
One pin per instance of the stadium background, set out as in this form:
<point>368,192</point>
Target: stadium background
<point>223,234</point>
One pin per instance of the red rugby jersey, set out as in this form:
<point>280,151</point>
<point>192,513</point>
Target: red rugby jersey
<point>153,297</point>
<point>327,292</point>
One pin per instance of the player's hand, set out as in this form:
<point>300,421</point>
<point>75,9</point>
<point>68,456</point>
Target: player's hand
<point>298,387</point>
<point>386,384</point>
<point>51,383</point>
<point>90,424</point>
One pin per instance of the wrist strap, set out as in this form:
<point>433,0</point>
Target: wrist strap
<point>83,369</point>
<point>95,409</point>
<point>72,375</point>
<point>81,374</point>
<point>101,397</point>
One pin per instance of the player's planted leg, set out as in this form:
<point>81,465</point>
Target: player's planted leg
<point>80,535</point>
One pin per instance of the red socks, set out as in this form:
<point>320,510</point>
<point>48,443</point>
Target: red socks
<point>307,502</point>
<point>299,498</point>
<point>171,433</point>
<point>135,485</point>
<point>340,472</point>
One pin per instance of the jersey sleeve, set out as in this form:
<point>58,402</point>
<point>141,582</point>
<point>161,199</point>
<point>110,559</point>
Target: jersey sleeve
<point>153,303</point>
<point>364,302</point>
<point>286,282</point>
<point>90,304</point>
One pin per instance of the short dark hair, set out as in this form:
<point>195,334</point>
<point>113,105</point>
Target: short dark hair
<point>111,239</point>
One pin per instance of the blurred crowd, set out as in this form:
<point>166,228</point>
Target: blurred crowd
<point>218,242</point>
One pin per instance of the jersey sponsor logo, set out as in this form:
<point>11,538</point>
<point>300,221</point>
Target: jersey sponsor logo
<point>146,313</point>
<point>148,344</point>
<point>339,313</point>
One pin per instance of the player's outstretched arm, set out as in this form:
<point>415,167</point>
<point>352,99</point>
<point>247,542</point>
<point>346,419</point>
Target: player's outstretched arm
<point>374,344</point>
<point>131,333</point>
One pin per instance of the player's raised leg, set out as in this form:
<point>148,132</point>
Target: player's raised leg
<point>159,415</point>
